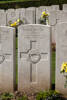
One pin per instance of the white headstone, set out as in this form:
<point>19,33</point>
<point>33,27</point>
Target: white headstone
<point>61,56</point>
<point>39,11</point>
<point>55,7</point>
<point>49,9</point>
<point>21,14</point>
<point>34,57</point>
<point>2,18</point>
<point>65,7</point>
<point>52,18</point>
<point>12,15</point>
<point>7,59</point>
<point>61,16</point>
<point>30,15</point>
<point>53,22</point>
<point>53,35</point>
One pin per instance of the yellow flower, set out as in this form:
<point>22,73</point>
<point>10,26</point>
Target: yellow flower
<point>64,67</point>
<point>14,24</point>
<point>66,70</point>
<point>41,16</point>
<point>18,20</point>
<point>44,13</point>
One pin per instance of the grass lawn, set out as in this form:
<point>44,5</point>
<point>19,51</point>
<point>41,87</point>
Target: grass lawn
<point>53,67</point>
<point>16,60</point>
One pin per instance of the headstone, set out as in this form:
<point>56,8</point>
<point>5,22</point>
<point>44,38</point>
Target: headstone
<point>53,35</point>
<point>30,15</point>
<point>2,18</point>
<point>61,16</point>
<point>61,56</point>
<point>39,11</point>
<point>55,7</point>
<point>65,7</point>
<point>53,22</point>
<point>49,9</point>
<point>7,59</point>
<point>21,14</point>
<point>34,58</point>
<point>12,16</point>
<point>52,18</point>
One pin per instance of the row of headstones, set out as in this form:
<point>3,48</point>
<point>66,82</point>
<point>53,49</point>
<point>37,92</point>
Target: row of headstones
<point>32,15</point>
<point>34,57</point>
<point>27,14</point>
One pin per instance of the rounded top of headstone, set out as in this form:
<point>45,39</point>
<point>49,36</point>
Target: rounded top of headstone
<point>7,27</point>
<point>41,25</point>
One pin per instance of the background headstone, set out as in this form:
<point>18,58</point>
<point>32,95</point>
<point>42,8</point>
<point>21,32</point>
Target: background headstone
<point>61,16</point>
<point>53,22</point>
<point>52,11</point>
<point>34,66</point>
<point>65,7</point>
<point>39,11</point>
<point>21,14</point>
<point>30,15</point>
<point>49,9</point>
<point>55,7</point>
<point>61,56</point>
<point>7,59</point>
<point>2,18</point>
<point>12,15</point>
<point>52,18</point>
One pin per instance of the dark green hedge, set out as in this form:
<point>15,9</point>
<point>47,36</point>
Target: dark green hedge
<point>19,4</point>
<point>31,3</point>
<point>53,2</point>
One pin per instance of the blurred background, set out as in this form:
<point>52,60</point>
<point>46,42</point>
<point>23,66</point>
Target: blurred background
<point>5,4</point>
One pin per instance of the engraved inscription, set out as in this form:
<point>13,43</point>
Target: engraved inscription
<point>3,57</point>
<point>34,56</point>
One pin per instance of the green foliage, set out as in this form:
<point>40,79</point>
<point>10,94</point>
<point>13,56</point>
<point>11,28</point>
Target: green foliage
<point>48,95</point>
<point>7,96</point>
<point>6,4</point>
<point>10,96</point>
<point>18,4</point>
<point>22,98</point>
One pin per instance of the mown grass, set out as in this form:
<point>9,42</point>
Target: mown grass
<point>53,66</point>
<point>16,60</point>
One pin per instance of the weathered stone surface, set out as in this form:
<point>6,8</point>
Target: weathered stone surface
<point>7,59</point>
<point>53,18</point>
<point>21,14</point>
<point>53,34</point>
<point>39,11</point>
<point>53,22</point>
<point>12,15</point>
<point>34,58</point>
<point>30,15</point>
<point>61,16</point>
<point>55,7</point>
<point>61,56</point>
<point>49,9</point>
<point>65,7</point>
<point>2,17</point>
<point>27,15</point>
